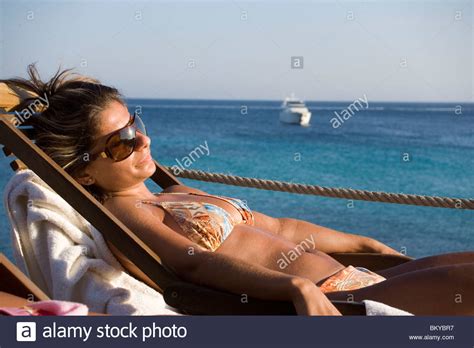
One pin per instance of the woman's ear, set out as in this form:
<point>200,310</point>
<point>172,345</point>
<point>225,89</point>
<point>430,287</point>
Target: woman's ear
<point>84,178</point>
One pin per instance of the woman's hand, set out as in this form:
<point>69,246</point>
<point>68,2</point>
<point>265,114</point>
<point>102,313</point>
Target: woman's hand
<point>309,300</point>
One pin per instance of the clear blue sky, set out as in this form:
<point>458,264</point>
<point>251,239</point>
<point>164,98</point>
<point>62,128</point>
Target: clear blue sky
<point>387,50</point>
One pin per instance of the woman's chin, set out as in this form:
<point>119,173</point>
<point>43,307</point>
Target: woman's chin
<point>148,168</point>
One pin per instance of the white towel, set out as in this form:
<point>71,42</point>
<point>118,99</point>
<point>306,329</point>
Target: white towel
<point>67,257</point>
<point>378,308</point>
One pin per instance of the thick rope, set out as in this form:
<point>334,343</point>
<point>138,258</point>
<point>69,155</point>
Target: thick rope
<point>363,195</point>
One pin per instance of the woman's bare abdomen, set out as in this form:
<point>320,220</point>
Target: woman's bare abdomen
<point>277,253</point>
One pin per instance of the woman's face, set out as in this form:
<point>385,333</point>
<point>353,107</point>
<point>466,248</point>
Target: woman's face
<point>124,175</point>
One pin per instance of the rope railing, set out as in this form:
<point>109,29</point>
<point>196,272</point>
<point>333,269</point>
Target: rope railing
<point>346,193</point>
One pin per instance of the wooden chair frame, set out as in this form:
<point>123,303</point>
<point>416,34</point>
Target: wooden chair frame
<point>13,278</point>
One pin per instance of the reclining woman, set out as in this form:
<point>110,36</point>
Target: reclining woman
<point>218,241</point>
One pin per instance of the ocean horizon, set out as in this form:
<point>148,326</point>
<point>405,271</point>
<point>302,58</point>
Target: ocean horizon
<point>411,147</point>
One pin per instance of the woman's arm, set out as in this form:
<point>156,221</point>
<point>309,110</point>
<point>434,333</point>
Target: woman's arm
<point>244,278</point>
<point>193,263</point>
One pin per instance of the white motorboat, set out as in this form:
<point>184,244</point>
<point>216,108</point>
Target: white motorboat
<point>295,111</point>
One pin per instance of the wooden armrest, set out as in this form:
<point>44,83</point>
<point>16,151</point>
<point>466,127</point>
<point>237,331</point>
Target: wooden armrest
<point>9,300</point>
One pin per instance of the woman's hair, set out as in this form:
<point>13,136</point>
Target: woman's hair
<point>67,128</point>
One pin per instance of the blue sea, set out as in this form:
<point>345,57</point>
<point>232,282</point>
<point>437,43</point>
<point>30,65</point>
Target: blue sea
<point>368,151</point>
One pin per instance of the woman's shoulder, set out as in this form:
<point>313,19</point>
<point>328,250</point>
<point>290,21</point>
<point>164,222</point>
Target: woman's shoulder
<point>118,204</point>
<point>134,208</point>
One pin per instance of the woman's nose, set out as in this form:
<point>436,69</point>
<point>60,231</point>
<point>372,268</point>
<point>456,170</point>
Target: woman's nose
<point>142,141</point>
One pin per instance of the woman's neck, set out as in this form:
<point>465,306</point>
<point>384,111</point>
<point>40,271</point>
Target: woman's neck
<point>139,191</point>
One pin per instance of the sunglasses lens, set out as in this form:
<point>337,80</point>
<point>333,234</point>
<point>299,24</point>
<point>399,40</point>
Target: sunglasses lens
<point>121,145</point>
<point>138,123</point>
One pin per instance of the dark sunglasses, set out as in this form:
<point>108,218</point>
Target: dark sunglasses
<point>121,143</point>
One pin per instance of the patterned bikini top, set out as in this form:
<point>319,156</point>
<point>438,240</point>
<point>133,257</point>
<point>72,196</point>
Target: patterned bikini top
<point>240,205</point>
<point>206,224</point>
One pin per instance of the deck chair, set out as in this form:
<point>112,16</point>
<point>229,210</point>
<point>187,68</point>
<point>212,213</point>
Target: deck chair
<point>16,289</point>
<point>14,285</point>
<point>136,257</point>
